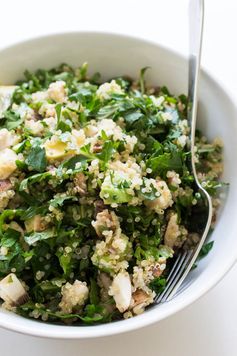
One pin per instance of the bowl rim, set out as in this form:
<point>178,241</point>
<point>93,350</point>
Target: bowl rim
<point>102,330</point>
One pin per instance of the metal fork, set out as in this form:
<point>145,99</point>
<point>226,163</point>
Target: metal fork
<point>185,259</point>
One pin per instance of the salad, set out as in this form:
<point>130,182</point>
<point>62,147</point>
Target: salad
<point>96,195</point>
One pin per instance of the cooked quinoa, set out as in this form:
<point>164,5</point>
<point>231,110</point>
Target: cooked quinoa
<point>96,195</point>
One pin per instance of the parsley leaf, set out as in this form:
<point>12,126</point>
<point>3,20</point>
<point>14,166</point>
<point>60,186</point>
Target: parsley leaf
<point>166,162</point>
<point>131,117</point>
<point>59,201</point>
<point>158,284</point>
<point>206,248</point>
<point>32,211</point>
<point>37,159</point>
<point>38,236</point>
<point>13,120</point>
<point>10,237</point>
<point>36,178</point>
<point>71,162</point>
<point>109,148</point>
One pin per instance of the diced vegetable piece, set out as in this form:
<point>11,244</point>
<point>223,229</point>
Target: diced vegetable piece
<point>12,290</point>
<point>7,163</point>
<point>121,290</point>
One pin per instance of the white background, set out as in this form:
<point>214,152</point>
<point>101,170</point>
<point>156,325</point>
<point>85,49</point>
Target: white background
<point>209,326</point>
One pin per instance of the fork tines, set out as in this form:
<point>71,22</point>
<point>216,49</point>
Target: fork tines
<point>175,275</point>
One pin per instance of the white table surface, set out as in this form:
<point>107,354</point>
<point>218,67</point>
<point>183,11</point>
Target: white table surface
<point>209,326</point>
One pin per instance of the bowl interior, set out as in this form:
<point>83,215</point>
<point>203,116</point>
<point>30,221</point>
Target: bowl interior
<point>114,55</point>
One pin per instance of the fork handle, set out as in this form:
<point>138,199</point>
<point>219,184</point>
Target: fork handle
<point>196,20</point>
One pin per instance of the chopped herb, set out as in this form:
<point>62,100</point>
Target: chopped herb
<point>12,120</point>
<point>36,159</point>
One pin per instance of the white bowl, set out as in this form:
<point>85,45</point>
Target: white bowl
<point>114,55</point>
